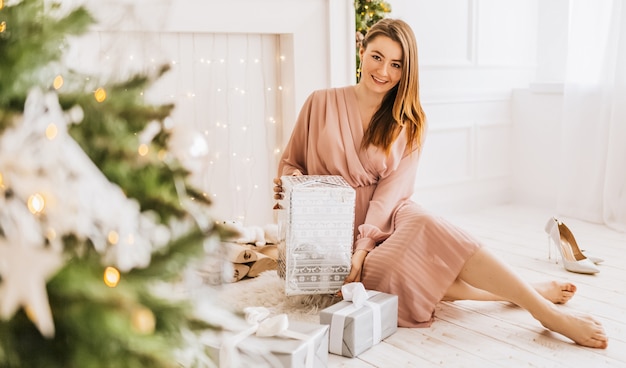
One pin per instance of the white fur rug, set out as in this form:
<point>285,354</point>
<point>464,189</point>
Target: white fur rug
<point>268,290</point>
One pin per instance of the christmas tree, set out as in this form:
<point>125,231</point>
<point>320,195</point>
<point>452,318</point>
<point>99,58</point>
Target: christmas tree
<point>367,13</point>
<point>97,220</point>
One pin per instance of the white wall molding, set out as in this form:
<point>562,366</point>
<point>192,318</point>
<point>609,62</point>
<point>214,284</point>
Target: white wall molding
<point>463,96</point>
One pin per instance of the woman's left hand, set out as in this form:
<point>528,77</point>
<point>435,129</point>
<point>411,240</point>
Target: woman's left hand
<point>358,258</point>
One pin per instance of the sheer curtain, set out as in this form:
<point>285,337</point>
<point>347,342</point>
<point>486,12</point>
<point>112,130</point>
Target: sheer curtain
<point>227,105</point>
<point>592,177</point>
<point>226,124</point>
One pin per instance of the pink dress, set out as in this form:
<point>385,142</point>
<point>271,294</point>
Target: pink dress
<point>412,253</point>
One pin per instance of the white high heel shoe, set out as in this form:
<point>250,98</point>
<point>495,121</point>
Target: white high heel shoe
<point>562,238</point>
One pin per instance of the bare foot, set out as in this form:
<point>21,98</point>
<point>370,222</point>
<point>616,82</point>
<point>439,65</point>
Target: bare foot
<point>556,292</point>
<point>583,329</point>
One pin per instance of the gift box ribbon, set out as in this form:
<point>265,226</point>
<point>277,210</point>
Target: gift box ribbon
<point>262,325</point>
<point>353,292</point>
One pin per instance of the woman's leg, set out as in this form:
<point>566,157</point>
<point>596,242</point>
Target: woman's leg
<point>486,272</point>
<point>556,292</point>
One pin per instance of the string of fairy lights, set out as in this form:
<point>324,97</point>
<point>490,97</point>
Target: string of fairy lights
<point>226,124</point>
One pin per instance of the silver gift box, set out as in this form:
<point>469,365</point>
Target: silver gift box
<point>278,352</point>
<point>357,334</point>
<point>316,229</point>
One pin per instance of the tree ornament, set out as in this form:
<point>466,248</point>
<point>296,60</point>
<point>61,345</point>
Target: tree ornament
<point>25,270</point>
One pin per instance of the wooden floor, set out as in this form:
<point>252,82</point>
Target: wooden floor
<point>495,334</point>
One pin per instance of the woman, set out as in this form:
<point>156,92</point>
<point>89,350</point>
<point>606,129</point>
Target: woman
<point>372,134</point>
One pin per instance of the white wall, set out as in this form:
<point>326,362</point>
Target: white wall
<point>537,113</point>
<point>537,116</point>
<point>473,53</point>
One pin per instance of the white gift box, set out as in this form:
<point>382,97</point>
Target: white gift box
<point>316,225</point>
<point>360,321</point>
<point>272,342</point>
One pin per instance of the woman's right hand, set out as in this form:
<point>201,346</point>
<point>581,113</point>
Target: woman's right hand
<point>278,187</point>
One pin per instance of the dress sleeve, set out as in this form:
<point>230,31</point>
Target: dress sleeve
<point>390,193</point>
<point>294,156</point>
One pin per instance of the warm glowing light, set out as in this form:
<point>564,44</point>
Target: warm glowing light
<point>100,94</point>
<point>51,131</point>
<point>51,234</point>
<point>143,149</point>
<point>1,4</point>
<point>113,237</point>
<point>36,203</point>
<point>111,277</point>
<point>3,26</point>
<point>58,82</point>
<point>1,181</point>
<point>143,320</point>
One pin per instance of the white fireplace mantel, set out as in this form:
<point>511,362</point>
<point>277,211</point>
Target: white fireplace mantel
<point>318,35</point>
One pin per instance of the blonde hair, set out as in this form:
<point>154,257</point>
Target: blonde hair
<point>401,106</point>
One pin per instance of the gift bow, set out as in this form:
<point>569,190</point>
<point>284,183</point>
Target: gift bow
<point>353,292</point>
<point>262,325</point>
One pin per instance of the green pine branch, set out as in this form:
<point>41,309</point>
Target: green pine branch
<point>94,323</point>
<point>30,47</point>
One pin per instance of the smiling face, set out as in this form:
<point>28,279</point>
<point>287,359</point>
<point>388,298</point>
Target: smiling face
<point>381,64</point>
